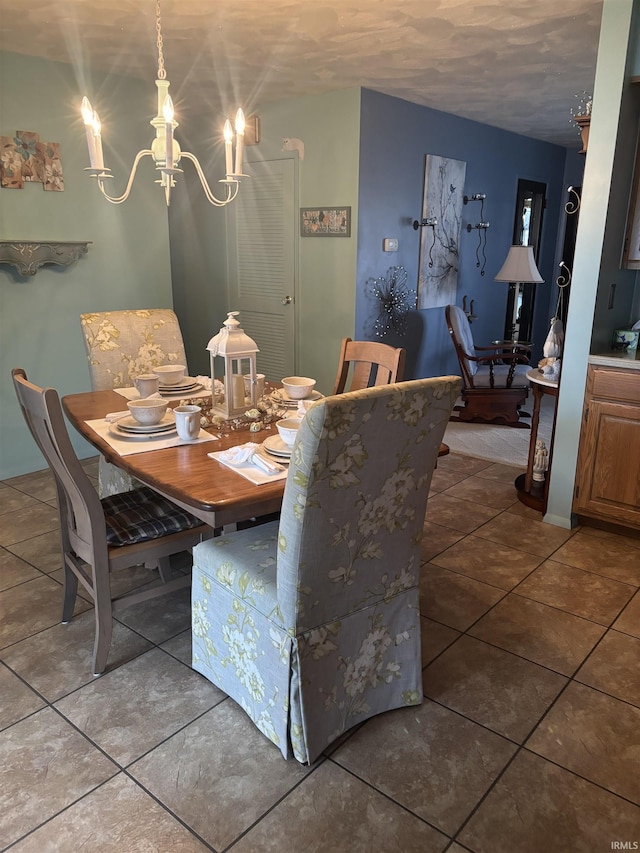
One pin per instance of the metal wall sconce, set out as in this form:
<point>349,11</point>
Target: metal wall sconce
<point>482,228</point>
<point>469,312</point>
<point>428,222</point>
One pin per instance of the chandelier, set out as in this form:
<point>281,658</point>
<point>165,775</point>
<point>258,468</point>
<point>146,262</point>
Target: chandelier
<point>165,150</point>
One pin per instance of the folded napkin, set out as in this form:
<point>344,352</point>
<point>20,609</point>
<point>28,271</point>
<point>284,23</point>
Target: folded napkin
<point>247,453</point>
<point>115,416</point>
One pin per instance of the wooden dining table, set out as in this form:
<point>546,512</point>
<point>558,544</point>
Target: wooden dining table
<point>185,474</point>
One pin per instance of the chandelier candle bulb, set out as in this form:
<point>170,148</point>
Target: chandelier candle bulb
<point>87,117</point>
<point>228,149</point>
<point>97,137</point>
<point>167,112</point>
<point>240,126</point>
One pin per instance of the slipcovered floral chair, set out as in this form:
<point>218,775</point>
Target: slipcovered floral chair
<point>121,345</point>
<point>312,623</point>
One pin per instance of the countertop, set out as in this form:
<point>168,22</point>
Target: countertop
<point>617,358</point>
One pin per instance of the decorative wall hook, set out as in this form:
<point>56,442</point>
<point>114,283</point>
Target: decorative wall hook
<point>470,315</point>
<point>573,204</point>
<point>428,222</point>
<point>565,275</point>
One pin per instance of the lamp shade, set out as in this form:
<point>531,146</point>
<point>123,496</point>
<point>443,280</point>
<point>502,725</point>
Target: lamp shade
<point>520,266</point>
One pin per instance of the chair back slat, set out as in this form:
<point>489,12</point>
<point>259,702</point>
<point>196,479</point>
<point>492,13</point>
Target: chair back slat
<point>370,363</point>
<point>80,504</point>
<point>462,338</point>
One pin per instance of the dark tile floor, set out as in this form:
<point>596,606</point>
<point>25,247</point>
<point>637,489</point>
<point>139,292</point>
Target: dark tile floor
<point>528,740</point>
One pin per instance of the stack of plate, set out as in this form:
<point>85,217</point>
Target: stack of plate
<point>281,398</point>
<point>186,385</point>
<point>273,445</point>
<point>129,427</point>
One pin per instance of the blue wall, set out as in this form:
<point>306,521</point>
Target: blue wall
<point>395,138</point>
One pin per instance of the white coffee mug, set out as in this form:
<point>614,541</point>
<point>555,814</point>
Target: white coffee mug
<point>146,384</point>
<point>188,421</point>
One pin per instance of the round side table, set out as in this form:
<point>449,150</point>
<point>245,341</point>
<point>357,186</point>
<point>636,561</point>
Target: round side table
<point>530,492</point>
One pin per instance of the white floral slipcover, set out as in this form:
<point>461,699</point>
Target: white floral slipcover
<point>120,346</point>
<point>312,623</point>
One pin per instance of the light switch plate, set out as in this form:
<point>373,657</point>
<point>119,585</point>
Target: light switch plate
<point>390,244</point>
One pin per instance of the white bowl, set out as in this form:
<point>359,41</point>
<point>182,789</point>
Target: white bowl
<point>169,374</point>
<point>298,387</point>
<point>148,412</point>
<point>288,429</point>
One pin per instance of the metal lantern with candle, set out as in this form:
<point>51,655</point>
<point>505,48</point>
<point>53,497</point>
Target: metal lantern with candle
<point>238,353</point>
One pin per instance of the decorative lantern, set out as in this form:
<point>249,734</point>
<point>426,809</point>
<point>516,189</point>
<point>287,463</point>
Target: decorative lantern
<point>238,352</point>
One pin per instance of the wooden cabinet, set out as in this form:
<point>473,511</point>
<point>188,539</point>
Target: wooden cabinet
<point>608,473</point>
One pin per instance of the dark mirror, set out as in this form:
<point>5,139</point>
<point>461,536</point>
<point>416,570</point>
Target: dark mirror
<point>530,204</point>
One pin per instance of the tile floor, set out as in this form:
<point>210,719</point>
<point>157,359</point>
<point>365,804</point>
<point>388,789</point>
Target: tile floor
<point>528,740</point>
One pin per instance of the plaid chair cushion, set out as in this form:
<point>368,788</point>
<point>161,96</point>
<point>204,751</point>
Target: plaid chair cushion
<point>143,514</point>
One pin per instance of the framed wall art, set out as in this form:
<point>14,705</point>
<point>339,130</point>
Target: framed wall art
<point>440,244</point>
<point>325,221</point>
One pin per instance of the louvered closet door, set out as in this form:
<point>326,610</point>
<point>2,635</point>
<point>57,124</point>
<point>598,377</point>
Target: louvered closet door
<point>262,271</point>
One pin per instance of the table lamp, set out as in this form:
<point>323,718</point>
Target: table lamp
<point>520,267</point>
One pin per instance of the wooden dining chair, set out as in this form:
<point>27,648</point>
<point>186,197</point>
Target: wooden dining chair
<point>495,383</point>
<point>102,536</point>
<point>120,346</point>
<point>368,363</point>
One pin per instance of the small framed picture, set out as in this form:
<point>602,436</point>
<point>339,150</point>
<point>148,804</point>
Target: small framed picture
<point>325,221</point>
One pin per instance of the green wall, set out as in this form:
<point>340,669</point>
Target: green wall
<point>127,265</point>
<point>329,126</point>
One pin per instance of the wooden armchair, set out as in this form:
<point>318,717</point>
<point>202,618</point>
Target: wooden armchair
<point>370,363</point>
<point>494,377</point>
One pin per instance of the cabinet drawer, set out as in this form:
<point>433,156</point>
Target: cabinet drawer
<point>615,384</point>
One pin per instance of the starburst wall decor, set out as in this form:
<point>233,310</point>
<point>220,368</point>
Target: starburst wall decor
<point>394,299</point>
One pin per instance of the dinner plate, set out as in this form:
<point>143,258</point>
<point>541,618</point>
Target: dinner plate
<point>174,391</point>
<point>130,424</point>
<point>141,436</point>
<point>185,382</point>
<point>273,457</point>
<point>282,397</point>
<point>275,445</point>
<point>284,404</point>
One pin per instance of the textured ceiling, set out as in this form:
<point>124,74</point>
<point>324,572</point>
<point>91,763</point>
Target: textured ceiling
<point>515,64</point>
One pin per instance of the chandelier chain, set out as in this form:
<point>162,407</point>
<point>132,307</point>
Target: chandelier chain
<point>161,69</point>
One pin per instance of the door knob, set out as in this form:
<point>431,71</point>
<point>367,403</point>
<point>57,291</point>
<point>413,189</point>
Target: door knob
<point>286,300</point>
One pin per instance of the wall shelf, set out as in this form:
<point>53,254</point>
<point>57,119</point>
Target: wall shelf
<point>27,256</point>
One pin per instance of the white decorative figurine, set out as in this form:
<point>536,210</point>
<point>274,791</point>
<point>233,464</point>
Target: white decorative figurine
<point>540,461</point>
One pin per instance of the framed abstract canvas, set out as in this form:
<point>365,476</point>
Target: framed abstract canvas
<point>440,243</point>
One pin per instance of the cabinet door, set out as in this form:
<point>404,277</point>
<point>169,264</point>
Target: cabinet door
<point>609,464</point>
